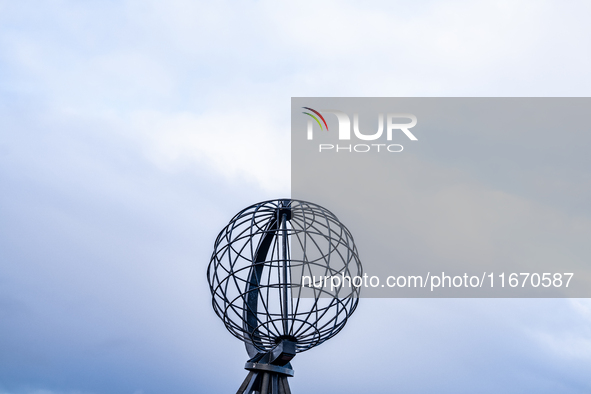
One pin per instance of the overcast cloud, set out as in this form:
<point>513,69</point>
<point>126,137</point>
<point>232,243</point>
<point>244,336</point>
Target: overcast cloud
<point>132,131</point>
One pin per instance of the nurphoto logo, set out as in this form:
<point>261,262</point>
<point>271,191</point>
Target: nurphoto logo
<point>392,125</point>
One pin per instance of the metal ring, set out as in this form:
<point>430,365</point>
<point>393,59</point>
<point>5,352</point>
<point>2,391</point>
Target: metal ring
<point>268,368</point>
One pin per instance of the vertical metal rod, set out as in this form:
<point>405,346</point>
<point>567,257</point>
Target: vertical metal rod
<point>286,386</point>
<point>281,386</point>
<point>265,383</point>
<point>285,269</point>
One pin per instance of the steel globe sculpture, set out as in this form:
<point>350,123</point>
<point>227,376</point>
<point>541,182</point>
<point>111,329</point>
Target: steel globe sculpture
<point>272,277</point>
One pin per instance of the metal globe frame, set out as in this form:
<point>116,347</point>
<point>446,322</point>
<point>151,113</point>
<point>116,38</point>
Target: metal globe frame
<point>256,280</point>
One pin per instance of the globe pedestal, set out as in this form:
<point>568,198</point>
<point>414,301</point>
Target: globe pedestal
<point>269,371</point>
<point>265,383</point>
<point>265,379</point>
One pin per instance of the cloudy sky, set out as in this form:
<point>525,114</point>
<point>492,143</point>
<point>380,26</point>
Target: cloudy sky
<point>132,131</point>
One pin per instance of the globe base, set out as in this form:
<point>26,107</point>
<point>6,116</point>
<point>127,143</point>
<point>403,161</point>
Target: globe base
<point>266,379</point>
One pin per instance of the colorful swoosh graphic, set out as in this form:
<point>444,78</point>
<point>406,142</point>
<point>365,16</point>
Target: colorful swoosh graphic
<point>315,118</point>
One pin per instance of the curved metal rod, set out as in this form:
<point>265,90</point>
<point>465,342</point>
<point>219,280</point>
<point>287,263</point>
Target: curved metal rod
<point>254,279</point>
